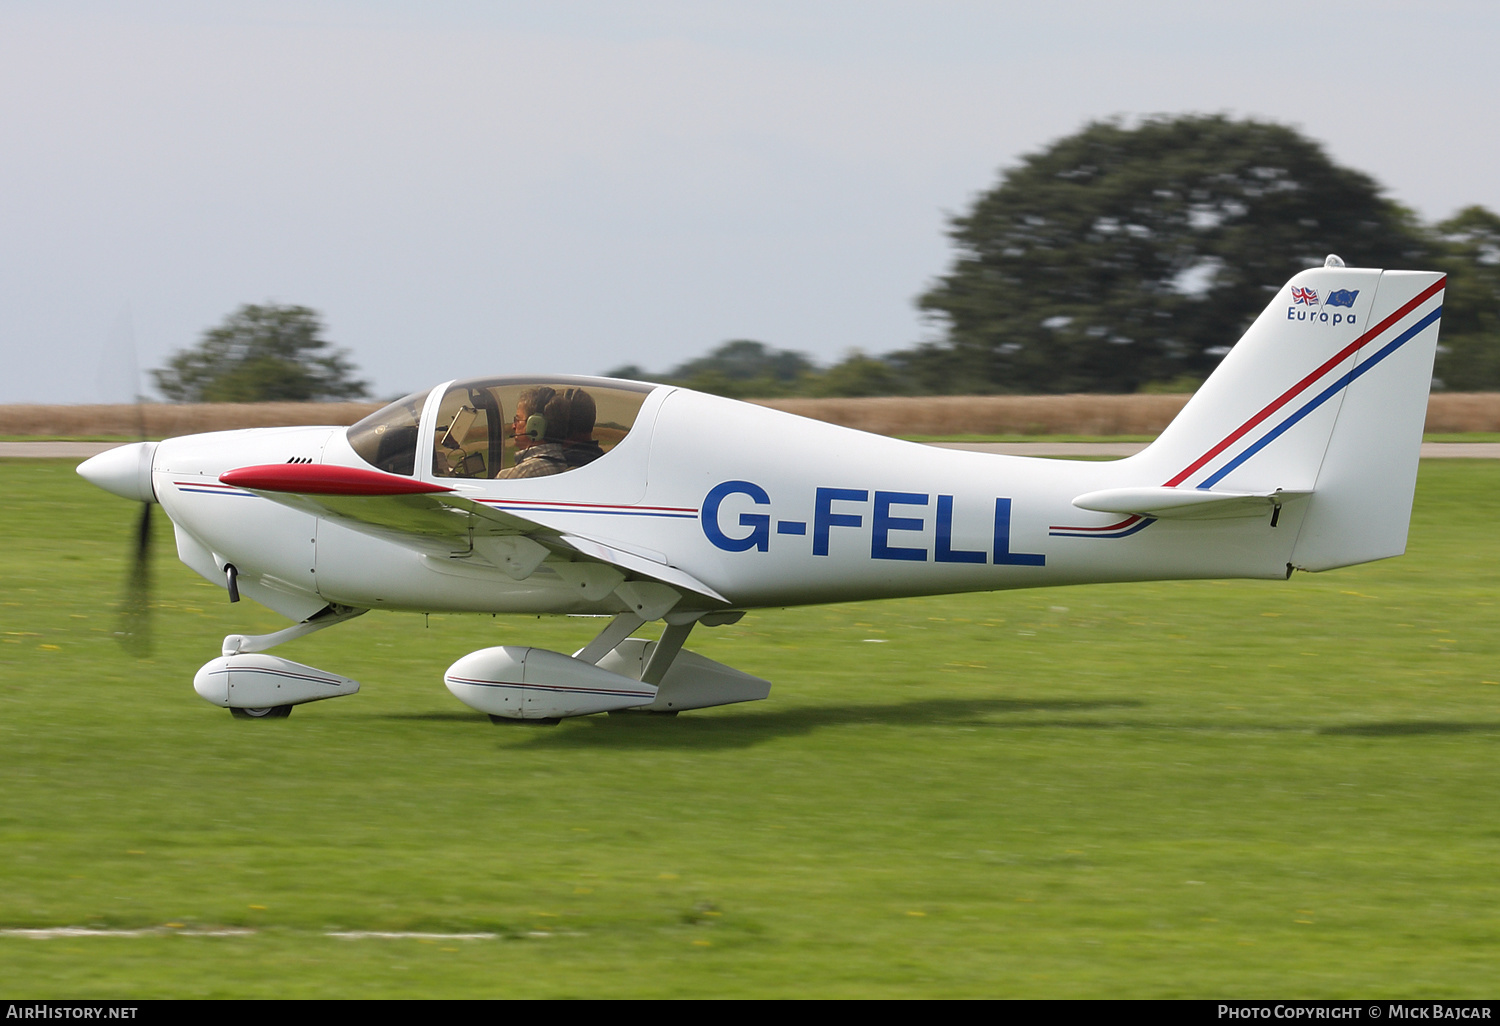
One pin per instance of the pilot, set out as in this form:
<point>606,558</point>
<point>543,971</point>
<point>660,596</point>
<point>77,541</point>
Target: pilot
<point>580,447</point>
<point>549,428</point>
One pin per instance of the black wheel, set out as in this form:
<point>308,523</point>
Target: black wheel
<point>548,721</point>
<point>274,712</point>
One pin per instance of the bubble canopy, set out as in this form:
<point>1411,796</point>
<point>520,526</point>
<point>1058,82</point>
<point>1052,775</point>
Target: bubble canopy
<point>503,427</point>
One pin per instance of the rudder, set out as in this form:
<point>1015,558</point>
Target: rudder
<point>1361,506</point>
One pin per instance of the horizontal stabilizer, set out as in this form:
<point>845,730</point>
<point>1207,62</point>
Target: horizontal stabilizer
<point>1185,503</point>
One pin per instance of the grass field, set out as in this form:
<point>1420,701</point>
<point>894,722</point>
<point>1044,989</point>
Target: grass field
<point>1214,789</point>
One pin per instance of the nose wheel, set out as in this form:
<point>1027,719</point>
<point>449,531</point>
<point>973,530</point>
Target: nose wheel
<point>273,712</point>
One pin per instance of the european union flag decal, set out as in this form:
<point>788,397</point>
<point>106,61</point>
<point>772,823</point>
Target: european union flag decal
<point>1342,297</point>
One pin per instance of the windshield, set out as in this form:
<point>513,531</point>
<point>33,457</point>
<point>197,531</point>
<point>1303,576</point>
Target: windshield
<point>387,438</point>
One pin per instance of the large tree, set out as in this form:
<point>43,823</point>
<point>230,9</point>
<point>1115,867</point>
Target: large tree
<point>1128,255</point>
<point>1469,340</point>
<point>261,354</point>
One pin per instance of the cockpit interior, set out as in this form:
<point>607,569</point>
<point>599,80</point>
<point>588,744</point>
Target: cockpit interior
<point>489,428</point>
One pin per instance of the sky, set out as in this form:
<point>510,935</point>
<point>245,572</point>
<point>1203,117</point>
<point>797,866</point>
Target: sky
<point>466,188</point>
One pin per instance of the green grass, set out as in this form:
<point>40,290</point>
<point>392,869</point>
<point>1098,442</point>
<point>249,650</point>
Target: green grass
<point>1184,789</point>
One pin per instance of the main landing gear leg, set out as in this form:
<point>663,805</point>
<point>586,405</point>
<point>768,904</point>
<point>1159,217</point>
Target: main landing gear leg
<point>620,628</point>
<point>672,640</point>
<point>236,644</point>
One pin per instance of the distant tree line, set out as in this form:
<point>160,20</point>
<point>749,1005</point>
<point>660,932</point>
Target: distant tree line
<point>742,369</point>
<point>1124,258</point>
<point>1129,258</point>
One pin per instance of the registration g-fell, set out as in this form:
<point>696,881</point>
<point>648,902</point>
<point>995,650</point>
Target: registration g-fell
<point>643,502</point>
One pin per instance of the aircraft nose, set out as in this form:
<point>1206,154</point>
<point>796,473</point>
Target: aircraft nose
<point>125,471</point>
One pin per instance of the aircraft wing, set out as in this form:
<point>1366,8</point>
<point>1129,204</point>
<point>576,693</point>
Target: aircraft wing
<point>409,511</point>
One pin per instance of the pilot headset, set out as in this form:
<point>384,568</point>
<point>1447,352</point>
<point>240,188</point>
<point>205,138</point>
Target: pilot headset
<point>536,422</point>
<point>561,407</point>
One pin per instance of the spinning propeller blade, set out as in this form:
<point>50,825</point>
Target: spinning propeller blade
<point>127,472</point>
<point>135,609</point>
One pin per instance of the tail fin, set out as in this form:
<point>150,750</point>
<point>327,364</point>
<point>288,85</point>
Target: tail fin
<point>1326,393</point>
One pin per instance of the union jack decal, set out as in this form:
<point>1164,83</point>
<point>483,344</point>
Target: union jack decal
<point>1308,297</point>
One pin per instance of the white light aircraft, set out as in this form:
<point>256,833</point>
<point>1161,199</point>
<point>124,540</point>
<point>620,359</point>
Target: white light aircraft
<point>646,502</point>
